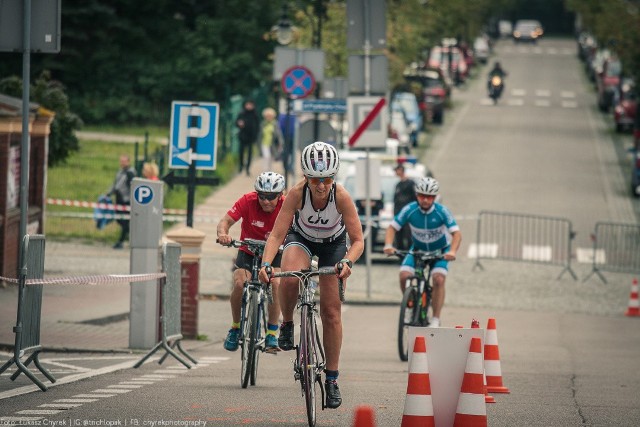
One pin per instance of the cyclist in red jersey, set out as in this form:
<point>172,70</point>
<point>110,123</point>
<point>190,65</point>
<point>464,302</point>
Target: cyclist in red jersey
<point>258,211</point>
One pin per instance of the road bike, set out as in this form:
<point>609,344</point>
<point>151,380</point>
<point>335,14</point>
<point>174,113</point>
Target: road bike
<point>310,358</point>
<point>416,299</point>
<point>253,321</point>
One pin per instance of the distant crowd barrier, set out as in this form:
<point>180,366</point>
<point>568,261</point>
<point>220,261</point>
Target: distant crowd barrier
<point>616,248</point>
<point>525,238</point>
<point>28,319</point>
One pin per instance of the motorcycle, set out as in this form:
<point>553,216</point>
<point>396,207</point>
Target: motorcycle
<point>495,88</point>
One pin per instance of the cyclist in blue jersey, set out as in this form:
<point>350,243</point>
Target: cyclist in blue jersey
<point>432,228</point>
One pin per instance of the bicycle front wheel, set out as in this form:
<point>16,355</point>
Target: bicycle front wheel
<point>261,333</point>
<point>308,362</point>
<point>249,333</point>
<point>409,309</point>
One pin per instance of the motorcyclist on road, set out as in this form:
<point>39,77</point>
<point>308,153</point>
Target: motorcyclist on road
<point>498,71</point>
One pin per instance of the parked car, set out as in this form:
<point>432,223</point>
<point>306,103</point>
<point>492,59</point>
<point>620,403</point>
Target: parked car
<point>435,91</point>
<point>607,82</point>
<point>635,175</point>
<point>527,30</point>
<point>440,56</point>
<point>481,49</point>
<point>408,103</point>
<point>382,209</point>
<point>505,28</point>
<point>399,129</point>
<point>625,105</point>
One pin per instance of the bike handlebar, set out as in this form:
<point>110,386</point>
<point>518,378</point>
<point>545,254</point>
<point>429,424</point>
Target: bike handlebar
<point>307,274</point>
<point>421,255</point>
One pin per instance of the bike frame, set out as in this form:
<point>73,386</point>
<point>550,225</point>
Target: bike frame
<point>310,357</point>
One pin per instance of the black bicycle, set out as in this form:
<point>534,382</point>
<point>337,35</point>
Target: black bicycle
<point>416,300</point>
<point>310,359</point>
<point>253,321</point>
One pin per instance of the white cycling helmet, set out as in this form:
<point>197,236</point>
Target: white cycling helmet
<point>269,182</point>
<point>319,160</point>
<point>428,186</point>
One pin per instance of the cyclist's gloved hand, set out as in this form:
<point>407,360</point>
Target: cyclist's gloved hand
<point>450,256</point>
<point>389,249</point>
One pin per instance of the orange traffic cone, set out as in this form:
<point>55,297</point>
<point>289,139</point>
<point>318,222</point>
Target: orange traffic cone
<point>364,417</point>
<point>487,397</point>
<point>418,407</point>
<point>634,306</point>
<point>492,360</point>
<point>472,410</point>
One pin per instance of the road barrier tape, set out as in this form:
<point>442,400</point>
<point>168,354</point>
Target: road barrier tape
<point>106,206</point>
<point>90,280</point>
<point>167,218</point>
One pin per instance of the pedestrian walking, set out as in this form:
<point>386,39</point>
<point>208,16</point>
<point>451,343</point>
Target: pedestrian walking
<point>121,189</point>
<point>249,124</point>
<point>271,139</point>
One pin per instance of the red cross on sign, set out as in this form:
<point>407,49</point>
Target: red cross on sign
<point>298,82</point>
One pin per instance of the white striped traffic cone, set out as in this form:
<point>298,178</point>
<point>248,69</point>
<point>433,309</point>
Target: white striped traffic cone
<point>634,307</point>
<point>492,360</point>
<point>418,406</point>
<point>487,397</point>
<point>472,409</point>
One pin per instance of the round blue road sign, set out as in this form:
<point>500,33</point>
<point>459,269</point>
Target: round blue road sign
<point>298,82</point>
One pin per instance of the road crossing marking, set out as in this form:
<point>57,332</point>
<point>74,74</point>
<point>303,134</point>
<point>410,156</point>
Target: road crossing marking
<point>112,390</point>
<point>484,250</point>
<point>515,102</point>
<point>84,400</point>
<point>567,94</point>
<point>585,256</point>
<point>569,104</point>
<point>40,411</point>
<point>93,396</point>
<point>537,253</point>
<point>543,92</point>
<point>534,253</point>
<point>518,92</point>
<point>64,406</point>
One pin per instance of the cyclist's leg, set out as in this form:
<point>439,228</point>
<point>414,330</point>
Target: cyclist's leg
<point>240,275</point>
<point>438,279</point>
<point>331,314</point>
<point>274,310</point>
<point>407,269</point>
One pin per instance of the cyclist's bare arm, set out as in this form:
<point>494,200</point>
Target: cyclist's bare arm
<point>280,228</point>
<point>223,229</point>
<point>456,239</point>
<point>388,241</point>
<point>347,208</point>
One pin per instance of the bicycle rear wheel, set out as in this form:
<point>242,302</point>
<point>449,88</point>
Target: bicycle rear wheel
<point>249,341</point>
<point>409,313</point>
<point>308,362</point>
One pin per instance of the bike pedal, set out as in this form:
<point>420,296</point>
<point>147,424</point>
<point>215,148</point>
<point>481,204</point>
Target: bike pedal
<point>272,350</point>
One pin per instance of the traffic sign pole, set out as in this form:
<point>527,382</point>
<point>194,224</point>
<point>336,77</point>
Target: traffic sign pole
<point>191,186</point>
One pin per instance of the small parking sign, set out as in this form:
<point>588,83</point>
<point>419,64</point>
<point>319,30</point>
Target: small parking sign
<point>198,120</point>
<point>143,194</point>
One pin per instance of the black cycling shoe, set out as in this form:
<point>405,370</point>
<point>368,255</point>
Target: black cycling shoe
<point>285,340</point>
<point>334,399</point>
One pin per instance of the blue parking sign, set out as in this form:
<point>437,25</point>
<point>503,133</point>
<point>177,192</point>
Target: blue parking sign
<point>197,120</point>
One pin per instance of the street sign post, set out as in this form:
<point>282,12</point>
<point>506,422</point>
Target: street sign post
<point>327,106</point>
<point>194,131</point>
<point>368,121</point>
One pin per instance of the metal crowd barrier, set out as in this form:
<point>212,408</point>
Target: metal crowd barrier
<point>31,280</point>
<point>171,294</point>
<point>616,248</point>
<point>527,238</point>
<point>27,327</point>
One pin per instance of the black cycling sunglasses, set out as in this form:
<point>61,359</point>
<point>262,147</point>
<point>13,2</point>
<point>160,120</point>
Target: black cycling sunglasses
<point>268,196</point>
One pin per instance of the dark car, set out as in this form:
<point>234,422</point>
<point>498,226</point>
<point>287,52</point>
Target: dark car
<point>607,81</point>
<point>434,92</point>
<point>625,105</point>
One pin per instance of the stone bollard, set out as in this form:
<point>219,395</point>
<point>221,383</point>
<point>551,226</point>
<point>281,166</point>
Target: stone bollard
<point>191,241</point>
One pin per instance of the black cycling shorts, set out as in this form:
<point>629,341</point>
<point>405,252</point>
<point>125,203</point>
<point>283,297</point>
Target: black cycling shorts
<point>244,260</point>
<point>329,254</point>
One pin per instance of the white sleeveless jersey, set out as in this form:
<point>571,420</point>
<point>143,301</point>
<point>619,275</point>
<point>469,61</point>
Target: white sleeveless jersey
<point>320,226</point>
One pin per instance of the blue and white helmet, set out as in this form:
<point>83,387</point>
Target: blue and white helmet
<point>269,182</point>
<point>319,160</point>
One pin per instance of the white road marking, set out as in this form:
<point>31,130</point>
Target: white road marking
<point>159,377</point>
<point>543,92</point>
<point>569,104</point>
<point>126,386</point>
<point>111,390</point>
<point>537,253</point>
<point>93,396</point>
<point>585,256</point>
<point>75,400</point>
<point>518,92</point>
<point>60,405</point>
<point>567,94</point>
<point>516,102</point>
<point>484,250</point>
<point>40,411</point>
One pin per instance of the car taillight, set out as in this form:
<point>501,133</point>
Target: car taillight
<point>422,105</point>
